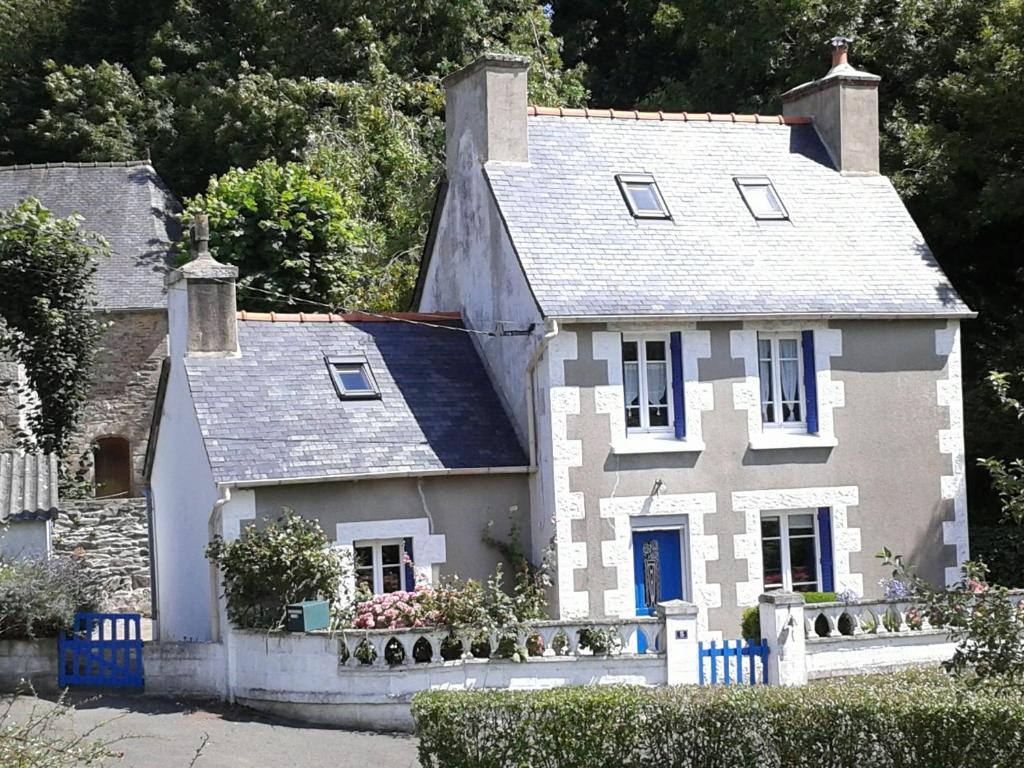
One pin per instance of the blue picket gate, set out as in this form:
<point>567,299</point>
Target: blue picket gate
<point>102,649</point>
<point>731,658</point>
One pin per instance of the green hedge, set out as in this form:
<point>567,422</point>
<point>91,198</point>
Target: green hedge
<point>897,721</point>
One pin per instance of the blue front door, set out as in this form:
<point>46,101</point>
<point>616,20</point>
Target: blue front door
<point>657,568</point>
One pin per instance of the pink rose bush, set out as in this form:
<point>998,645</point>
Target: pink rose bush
<point>398,610</point>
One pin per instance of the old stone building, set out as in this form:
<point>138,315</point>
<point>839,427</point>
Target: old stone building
<point>128,205</point>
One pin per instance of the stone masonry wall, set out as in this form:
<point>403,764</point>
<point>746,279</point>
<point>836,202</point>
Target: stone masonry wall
<point>112,537</point>
<point>124,384</point>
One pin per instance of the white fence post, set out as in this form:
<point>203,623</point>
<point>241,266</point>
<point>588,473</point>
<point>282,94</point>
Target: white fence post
<point>680,638</point>
<point>782,625</point>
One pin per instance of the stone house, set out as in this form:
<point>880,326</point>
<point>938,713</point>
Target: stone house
<point>729,361</point>
<point>130,207</point>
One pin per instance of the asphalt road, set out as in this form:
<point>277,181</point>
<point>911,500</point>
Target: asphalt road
<point>164,733</point>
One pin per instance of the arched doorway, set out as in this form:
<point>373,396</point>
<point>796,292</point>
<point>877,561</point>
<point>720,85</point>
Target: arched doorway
<point>112,467</point>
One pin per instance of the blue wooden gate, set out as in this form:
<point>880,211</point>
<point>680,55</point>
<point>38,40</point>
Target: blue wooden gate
<point>730,658</point>
<point>103,649</point>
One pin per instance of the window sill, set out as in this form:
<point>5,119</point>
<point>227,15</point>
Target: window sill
<point>636,444</point>
<point>783,440</point>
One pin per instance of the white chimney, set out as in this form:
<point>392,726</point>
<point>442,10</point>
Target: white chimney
<point>485,111</point>
<point>844,107</point>
<point>205,316</point>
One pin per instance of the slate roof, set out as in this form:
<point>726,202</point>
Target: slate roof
<point>28,486</point>
<point>273,413</point>
<point>850,246</point>
<point>124,202</point>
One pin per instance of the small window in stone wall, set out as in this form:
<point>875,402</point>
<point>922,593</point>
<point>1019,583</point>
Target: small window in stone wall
<point>112,467</point>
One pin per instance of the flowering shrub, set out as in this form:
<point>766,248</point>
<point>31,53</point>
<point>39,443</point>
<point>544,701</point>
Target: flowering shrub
<point>39,597</point>
<point>983,620</point>
<point>399,610</point>
<point>286,561</point>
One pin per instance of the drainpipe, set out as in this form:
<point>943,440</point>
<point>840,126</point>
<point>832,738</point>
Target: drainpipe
<point>551,331</point>
<point>223,633</point>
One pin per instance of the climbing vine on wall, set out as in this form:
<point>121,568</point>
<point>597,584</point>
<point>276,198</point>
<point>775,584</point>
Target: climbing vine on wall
<point>48,321</point>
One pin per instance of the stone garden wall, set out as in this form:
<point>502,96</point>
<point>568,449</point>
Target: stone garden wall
<point>112,538</point>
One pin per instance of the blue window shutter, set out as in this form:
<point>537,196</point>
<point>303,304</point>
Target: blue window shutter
<point>410,575</point>
<point>810,382</point>
<point>825,545</point>
<point>678,403</point>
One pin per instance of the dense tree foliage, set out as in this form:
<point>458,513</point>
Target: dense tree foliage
<point>47,317</point>
<point>344,95</point>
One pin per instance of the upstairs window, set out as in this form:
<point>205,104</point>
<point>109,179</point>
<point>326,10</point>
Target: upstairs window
<point>647,383</point>
<point>642,196</point>
<point>353,379</point>
<point>761,198</point>
<point>780,371</point>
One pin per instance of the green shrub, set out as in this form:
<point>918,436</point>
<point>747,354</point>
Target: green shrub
<point>898,721</point>
<point>819,597</point>
<point>38,598</point>
<point>750,624</point>
<point>287,561</point>
<point>1001,548</point>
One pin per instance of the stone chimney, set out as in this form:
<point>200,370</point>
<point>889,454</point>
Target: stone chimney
<point>485,112</point>
<point>205,316</point>
<point>844,107</point>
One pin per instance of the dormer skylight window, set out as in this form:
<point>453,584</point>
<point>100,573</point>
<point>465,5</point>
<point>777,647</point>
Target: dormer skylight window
<point>353,379</point>
<point>761,197</point>
<point>643,196</point>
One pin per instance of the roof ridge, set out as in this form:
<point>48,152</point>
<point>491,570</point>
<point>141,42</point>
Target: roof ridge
<point>83,164</point>
<point>697,117</point>
<point>348,317</point>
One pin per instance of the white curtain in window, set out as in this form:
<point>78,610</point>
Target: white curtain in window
<point>789,371</point>
<point>632,384</point>
<point>657,384</point>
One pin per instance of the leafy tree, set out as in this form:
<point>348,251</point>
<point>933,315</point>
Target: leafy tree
<point>47,317</point>
<point>1008,477</point>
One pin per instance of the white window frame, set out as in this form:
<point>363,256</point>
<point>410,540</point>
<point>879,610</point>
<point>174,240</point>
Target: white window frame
<point>376,546</point>
<point>787,566</point>
<point>625,180</point>
<point>645,416</point>
<point>799,427</point>
<point>745,182</point>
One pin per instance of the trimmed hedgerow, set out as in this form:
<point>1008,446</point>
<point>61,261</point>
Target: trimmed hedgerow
<point>911,720</point>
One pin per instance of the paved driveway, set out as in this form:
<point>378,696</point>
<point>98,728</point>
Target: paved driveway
<point>164,733</point>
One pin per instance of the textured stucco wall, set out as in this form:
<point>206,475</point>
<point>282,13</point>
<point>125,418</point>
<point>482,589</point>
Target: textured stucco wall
<point>24,539</point>
<point>886,471</point>
<point>459,506</point>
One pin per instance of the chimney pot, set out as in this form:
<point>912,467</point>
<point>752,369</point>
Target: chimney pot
<point>840,51</point>
<point>201,236</point>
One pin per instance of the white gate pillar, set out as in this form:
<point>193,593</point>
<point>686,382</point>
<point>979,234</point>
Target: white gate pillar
<point>680,638</point>
<point>782,625</point>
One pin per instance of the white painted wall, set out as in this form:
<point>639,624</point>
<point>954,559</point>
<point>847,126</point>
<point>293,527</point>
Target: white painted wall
<point>25,539</point>
<point>838,656</point>
<point>183,497</point>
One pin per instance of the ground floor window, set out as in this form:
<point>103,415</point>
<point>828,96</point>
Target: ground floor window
<point>380,565</point>
<point>790,551</point>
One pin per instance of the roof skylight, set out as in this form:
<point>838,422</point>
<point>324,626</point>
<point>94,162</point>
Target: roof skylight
<point>761,198</point>
<point>643,196</point>
<point>353,379</point>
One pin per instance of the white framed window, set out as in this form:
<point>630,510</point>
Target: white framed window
<point>781,371</point>
<point>353,378</point>
<point>642,196</point>
<point>647,383</point>
<point>789,551</point>
<point>762,200</point>
<point>380,565</point>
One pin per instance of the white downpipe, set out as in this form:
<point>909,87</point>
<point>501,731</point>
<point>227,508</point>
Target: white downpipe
<point>550,333</point>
